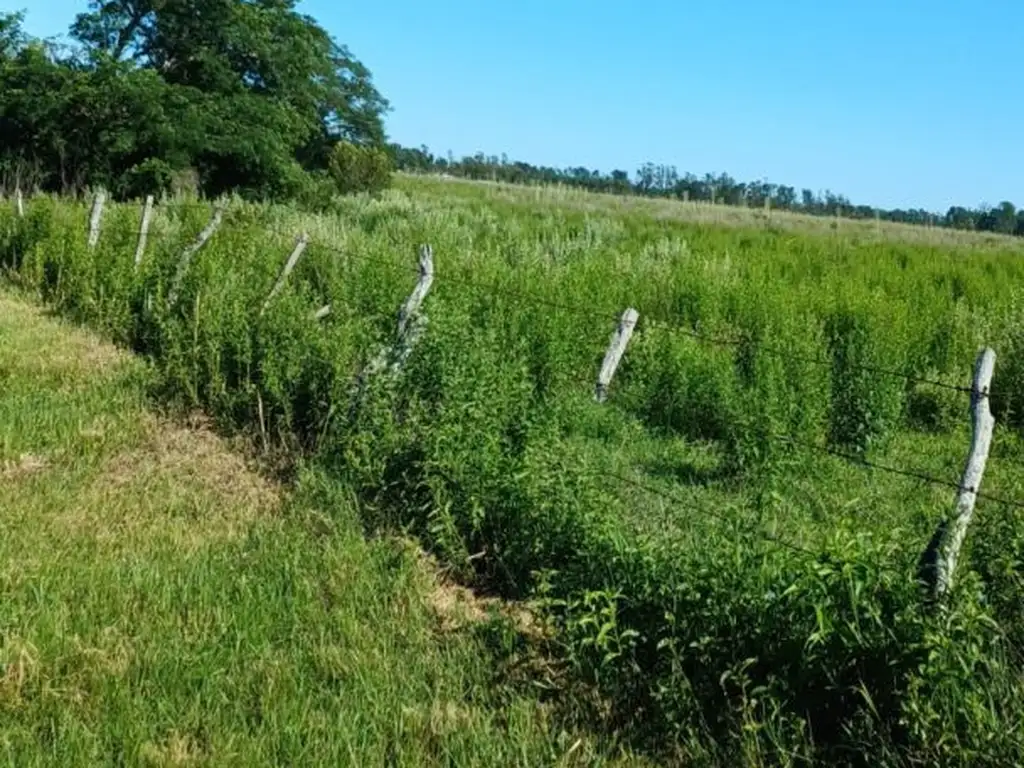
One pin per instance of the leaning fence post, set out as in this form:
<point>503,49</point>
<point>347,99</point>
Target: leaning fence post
<point>411,308</point>
<point>147,217</point>
<point>192,250</point>
<point>411,324</point>
<point>96,217</point>
<point>300,247</point>
<point>616,349</point>
<point>939,560</point>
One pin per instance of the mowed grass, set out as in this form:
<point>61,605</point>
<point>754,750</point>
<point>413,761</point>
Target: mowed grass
<point>161,603</point>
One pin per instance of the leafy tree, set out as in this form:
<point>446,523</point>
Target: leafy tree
<point>249,93</point>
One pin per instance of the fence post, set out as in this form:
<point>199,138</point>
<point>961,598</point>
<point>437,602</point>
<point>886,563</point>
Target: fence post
<point>19,202</point>
<point>411,324</point>
<point>192,250</point>
<point>939,559</point>
<point>96,217</point>
<point>147,216</point>
<point>616,349</point>
<point>300,247</point>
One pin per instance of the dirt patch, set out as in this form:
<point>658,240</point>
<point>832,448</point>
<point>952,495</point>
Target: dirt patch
<point>458,607</point>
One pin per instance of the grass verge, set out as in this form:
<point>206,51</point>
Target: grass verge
<point>161,603</point>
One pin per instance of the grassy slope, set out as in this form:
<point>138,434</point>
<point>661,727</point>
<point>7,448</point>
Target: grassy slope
<point>924,307</point>
<point>707,214</point>
<point>161,603</point>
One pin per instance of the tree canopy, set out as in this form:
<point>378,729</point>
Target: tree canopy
<point>249,95</point>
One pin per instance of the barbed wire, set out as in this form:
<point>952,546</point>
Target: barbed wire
<point>910,473</point>
<point>762,534</point>
<point>817,361</point>
<point>531,298</point>
<point>527,297</point>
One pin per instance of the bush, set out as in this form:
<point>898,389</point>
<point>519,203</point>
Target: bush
<point>356,168</point>
<point>150,177</point>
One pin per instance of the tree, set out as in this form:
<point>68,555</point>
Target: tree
<point>248,93</point>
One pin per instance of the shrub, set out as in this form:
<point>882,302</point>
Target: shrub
<point>356,168</point>
<point>150,177</point>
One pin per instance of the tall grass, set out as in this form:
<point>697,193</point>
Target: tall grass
<point>743,599</point>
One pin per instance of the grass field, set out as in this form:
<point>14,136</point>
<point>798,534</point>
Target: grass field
<point>732,597</point>
<point>165,604</point>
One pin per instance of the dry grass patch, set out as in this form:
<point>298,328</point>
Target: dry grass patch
<point>178,485</point>
<point>27,465</point>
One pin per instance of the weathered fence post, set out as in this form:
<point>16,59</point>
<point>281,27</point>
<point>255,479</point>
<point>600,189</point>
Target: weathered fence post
<point>939,560</point>
<point>616,349</point>
<point>96,217</point>
<point>19,202</point>
<point>300,247</point>
<point>192,250</point>
<point>410,310</point>
<point>411,324</point>
<point>147,217</point>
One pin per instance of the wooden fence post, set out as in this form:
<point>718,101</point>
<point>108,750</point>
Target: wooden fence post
<point>411,324</point>
<point>939,560</point>
<point>616,349</point>
<point>19,202</point>
<point>300,247</point>
<point>96,217</point>
<point>192,250</point>
<point>147,217</point>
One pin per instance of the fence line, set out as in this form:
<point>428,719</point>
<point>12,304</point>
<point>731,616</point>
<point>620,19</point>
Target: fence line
<point>600,314</point>
<point>411,325</point>
<point>668,496</point>
<point>909,473</point>
<point>596,314</point>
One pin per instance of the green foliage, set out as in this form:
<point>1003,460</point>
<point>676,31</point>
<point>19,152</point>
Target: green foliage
<point>161,87</point>
<point>866,398</point>
<point>174,607</point>
<point>150,177</point>
<point>749,598</point>
<point>357,168</point>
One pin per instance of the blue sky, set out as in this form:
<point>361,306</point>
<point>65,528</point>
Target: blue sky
<point>905,103</point>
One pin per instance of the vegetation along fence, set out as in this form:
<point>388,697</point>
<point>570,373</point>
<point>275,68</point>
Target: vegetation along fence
<point>584,573</point>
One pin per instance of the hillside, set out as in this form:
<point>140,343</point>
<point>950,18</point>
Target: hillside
<point>728,547</point>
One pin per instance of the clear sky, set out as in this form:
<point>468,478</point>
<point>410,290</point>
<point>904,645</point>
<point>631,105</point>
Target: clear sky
<point>901,103</point>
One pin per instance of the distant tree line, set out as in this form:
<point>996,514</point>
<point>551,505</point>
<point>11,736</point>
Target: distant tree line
<point>252,97</point>
<point>244,96</point>
<point>664,181</point>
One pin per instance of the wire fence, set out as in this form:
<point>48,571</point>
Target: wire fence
<point>592,314</point>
